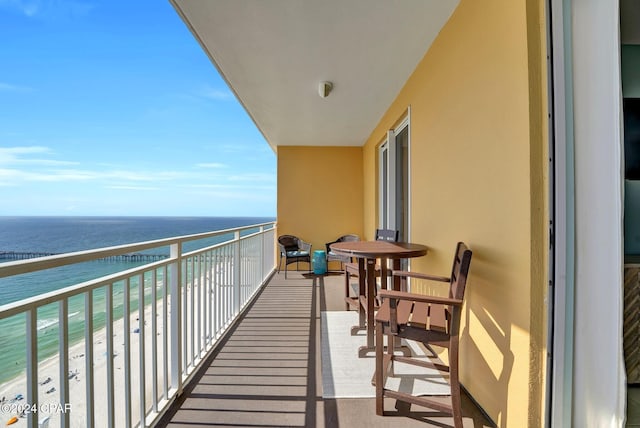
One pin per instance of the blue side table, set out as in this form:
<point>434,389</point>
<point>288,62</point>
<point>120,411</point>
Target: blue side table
<point>319,262</point>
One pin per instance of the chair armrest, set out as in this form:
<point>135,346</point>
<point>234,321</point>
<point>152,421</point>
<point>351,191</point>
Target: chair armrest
<point>417,275</point>
<point>282,250</point>
<point>328,245</point>
<point>402,295</point>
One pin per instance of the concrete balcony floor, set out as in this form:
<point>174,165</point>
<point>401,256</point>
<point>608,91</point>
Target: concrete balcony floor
<point>267,373</point>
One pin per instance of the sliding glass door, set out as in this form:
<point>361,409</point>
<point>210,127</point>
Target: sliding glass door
<point>394,181</point>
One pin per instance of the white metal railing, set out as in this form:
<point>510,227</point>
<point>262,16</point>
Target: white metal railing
<point>177,310</point>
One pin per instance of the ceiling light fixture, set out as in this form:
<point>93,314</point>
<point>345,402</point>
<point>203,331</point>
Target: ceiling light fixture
<point>324,89</point>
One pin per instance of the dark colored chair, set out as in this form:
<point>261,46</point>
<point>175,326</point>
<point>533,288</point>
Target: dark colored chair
<point>430,320</point>
<point>351,268</point>
<point>331,256</point>
<point>293,250</point>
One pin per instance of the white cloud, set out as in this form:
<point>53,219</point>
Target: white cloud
<point>8,87</point>
<point>234,194</point>
<point>231,186</point>
<point>28,8</point>
<point>99,187</point>
<point>259,177</point>
<point>48,9</point>
<point>8,177</point>
<point>137,188</point>
<point>126,175</point>
<point>216,94</point>
<point>12,177</point>
<point>20,156</point>
<point>25,150</point>
<point>33,164</point>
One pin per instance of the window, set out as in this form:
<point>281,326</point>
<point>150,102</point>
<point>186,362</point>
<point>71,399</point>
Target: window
<point>394,181</point>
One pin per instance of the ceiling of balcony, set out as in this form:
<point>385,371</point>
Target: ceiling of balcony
<point>273,54</point>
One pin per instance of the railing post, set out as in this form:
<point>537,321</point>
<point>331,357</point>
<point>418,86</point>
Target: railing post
<point>63,352</point>
<point>127,351</point>
<point>142,357</point>
<point>176,317</point>
<point>236,273</point>
<point>88,355</point>
<point>110,355</point>
<point>154,341</point>
<point>32,365</point>
<point>262,255</point>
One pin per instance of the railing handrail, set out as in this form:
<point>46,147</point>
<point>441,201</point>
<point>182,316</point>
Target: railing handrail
<point>14,308</point>
<point>48,262</point>
<point>206,289</point>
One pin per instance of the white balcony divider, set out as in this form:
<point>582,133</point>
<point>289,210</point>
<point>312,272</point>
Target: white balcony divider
<point>193,298</point>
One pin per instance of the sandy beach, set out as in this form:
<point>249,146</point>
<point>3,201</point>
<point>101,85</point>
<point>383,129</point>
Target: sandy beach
<point>49,377</point>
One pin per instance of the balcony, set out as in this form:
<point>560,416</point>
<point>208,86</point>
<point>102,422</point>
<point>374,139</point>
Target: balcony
<point>268,371</point>
<point>243,347</point>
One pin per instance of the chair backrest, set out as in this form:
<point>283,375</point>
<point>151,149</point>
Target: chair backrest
<point>387,235</point>
<point>349,238</point>
<point>460,271</point>
<point>289,242</point>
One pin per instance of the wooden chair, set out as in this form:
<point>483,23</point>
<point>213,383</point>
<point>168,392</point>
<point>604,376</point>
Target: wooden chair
<point>351,268</point>
<point>430,320</point>
<point>293,250</point>
<point>331,256</point>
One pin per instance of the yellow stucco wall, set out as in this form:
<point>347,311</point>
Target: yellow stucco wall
<point>478,174</point>
<point>320,193</point>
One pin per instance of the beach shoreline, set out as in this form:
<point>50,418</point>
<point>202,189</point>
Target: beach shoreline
<point>49,381</point>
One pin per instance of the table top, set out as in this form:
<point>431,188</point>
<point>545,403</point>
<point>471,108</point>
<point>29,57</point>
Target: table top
<point>377,249</point>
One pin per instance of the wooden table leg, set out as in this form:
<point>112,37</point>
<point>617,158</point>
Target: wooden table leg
<point>384,274</point>
<point>362,293</point>
<point>395,279</point>
<point>371,287</point>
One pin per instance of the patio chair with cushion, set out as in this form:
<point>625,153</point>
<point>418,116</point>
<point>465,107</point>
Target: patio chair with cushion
<point>293,250</point>
<point>331,256</point>
<point>430,320</point>
<point>351,268</point>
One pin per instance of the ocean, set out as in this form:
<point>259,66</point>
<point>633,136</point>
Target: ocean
<point>68,234</point>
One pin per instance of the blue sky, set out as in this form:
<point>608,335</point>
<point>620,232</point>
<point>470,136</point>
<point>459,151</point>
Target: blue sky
<point>112,108</point>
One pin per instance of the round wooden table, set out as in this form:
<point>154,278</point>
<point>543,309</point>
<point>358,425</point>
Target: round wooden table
<point>367,252</point>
